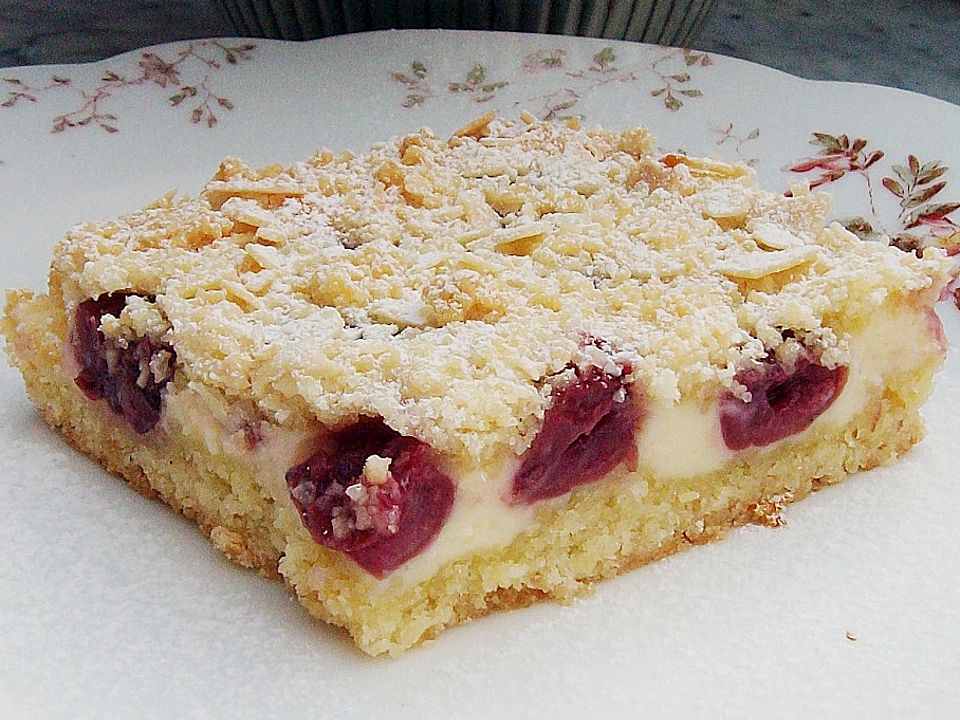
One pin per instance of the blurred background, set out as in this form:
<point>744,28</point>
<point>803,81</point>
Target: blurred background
<point>911,44</point>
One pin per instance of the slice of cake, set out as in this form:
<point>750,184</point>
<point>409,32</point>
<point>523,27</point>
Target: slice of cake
<point>451,375</point>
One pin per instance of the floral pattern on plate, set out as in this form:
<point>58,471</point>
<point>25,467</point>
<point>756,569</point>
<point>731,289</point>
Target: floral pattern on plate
<point>189,69</point>
<point>920,222</point>
<point>568,80</point>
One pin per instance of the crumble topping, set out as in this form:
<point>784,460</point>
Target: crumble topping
<point>438,282</point>
<point>376,469</point>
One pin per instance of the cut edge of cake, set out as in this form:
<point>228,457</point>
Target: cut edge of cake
<point>467,588</point>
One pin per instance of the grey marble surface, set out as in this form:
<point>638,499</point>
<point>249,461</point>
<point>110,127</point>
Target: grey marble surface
<point>912,44</point>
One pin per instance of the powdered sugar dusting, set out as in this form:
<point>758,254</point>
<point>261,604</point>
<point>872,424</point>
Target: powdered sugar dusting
<point>437,282</point>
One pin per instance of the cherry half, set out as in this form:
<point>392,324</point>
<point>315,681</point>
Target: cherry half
<point>782,402</point>
<point>379,523</point>
<point>122,375</point>
<point>587,431</point>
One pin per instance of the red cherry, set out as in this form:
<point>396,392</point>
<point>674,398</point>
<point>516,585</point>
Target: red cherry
<point>379,525</point>
<point>782,403</point>
<point>121,375</point>
<point>588,431</point>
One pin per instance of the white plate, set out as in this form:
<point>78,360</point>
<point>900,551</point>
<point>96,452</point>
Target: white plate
<point>112,606</point>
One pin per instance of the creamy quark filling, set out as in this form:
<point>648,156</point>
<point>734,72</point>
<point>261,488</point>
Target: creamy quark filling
<point>479,519</point>
<point>676,441</point>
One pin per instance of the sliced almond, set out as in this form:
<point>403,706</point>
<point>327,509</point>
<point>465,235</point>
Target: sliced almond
<point>477,127</point>
<point>722,203</point>
<point>418,185</point>
<point>264,256</point>
<point>413,155</point>
<point>447,213</point>
<point>636,142</point>
<point>705,167</point>
<point>217,192</point>
<point>518,240</point>
<point>403,313</point>
<point>773,236</point>
<point>754,265</point>
<point>504,202</point>
<point>273,235</point>
<point>247,212</point>
<point>239,295</point>
<point>488,170</point>
<point>474,238</point>
<point>389,173</point>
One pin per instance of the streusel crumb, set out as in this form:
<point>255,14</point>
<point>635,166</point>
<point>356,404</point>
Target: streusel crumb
<point>438,282</point>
